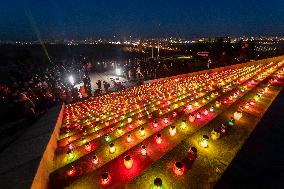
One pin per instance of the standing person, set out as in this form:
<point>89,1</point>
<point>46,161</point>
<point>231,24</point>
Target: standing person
<point>208,63</point>
<point>56,92</point>
<point>106,86</point>
<point>97,92</point>
<point>27,107</point>
<point>75,94</point>
<point>139,75</point>
<point>99,84</point>
<point>129,75</point>
<point>68,95</point>
<point>83,92</point>
<point>87,83</point>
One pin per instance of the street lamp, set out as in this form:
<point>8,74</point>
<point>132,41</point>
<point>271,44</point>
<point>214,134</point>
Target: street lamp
<point>118,71</point>
<point>71,79</point>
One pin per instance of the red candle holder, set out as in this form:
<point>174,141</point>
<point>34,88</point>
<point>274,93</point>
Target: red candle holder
<point>179,168</point>
<point>105,178</point>
<point>192,153</point>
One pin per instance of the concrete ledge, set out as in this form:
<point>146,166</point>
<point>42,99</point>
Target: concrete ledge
<point>46,164</point>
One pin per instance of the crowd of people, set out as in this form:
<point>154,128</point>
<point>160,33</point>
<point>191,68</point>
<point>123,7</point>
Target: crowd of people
<point>43,86</point>
<point>33,89</point>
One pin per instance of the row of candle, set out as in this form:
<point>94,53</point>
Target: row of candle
<point>172,132</point>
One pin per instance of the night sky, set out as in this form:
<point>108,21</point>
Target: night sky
<point>79,19</point>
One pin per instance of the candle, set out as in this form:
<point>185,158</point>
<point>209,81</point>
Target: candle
<point>105,178</point>
<point>143,150</point>
<point>128,139</point>
<point>95,159</point>
<point>128,162</point>
<point>178,168</point>
<point>112,148</point>
<point>157,183</point>
<point>204,141</point>
<point>172,130</point>
<point>192,153</point>
<point>158,138</point>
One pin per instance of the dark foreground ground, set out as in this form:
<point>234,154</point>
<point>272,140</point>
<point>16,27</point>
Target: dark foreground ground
<point>260,162</point>
<point>21,149</point>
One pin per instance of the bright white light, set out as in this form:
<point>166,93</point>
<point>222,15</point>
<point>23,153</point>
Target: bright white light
<point>118,71</point>
<point>71,79</point>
